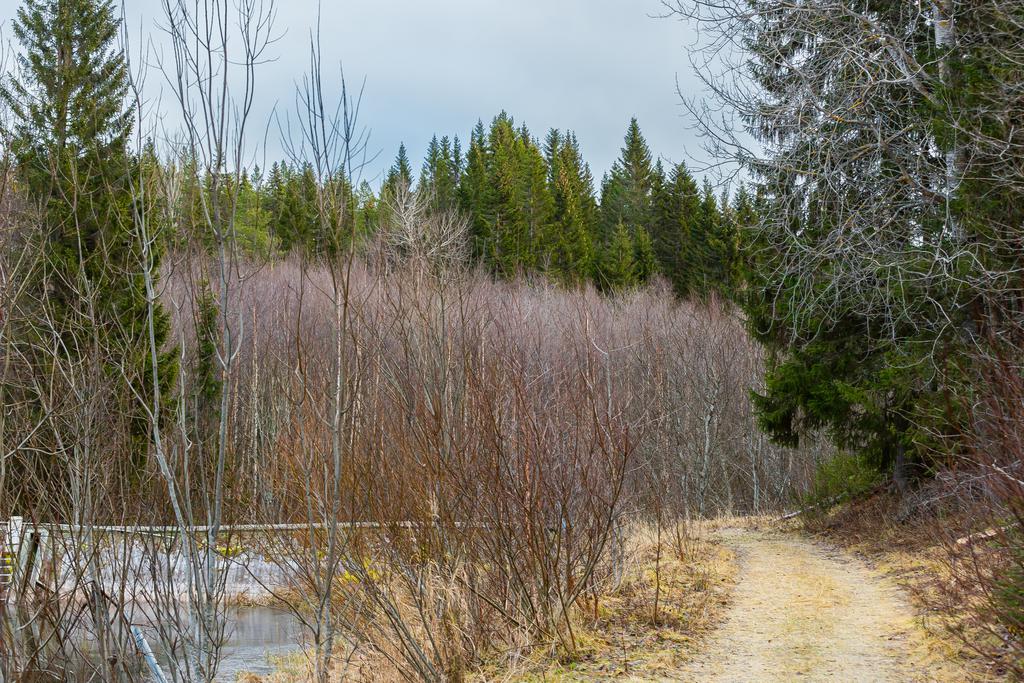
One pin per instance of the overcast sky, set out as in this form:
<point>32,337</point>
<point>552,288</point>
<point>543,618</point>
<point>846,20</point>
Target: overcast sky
<point>436,66</point>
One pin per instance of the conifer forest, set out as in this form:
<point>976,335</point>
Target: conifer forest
<point>279,403</point>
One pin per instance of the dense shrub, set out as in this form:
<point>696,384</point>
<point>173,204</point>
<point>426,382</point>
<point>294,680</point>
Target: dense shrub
<point>838,479</point>
<point>987,564</point>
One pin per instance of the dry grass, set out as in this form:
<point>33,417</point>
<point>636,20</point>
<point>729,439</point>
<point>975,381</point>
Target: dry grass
<point>619,638</point>
<point>617,634</point>
<point>297,668</point>
<point>745,522</point>
<point>620,635</point>
<point>289,669</point>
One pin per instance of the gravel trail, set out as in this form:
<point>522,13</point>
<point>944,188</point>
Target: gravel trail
<point>802,612</point>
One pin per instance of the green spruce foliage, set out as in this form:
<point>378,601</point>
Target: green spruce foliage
<point>439,178</point>
<point>399,177</point>
<point>573,233</point>
<point>506,194</point>
<point>677,212</point>
<point>626,194</point>
<point>644,256</point>
<point>618,269</point>
<point>70,142</point>
<point>475,194</point>
<point>530,208</point>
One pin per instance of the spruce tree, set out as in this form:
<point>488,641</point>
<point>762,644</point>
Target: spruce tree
<point>368,211</point>
<point>252,220</point>
<point>475,194</point>
<point>273,200</point>
<point>745,216</point>
<point>439,177</point>
<point>206,378</point>
<point>707,247</point>
<point>736,217</point>
<point>332,207</point>
<point>507,222</point>
<point>432,166</point>
<point>877,220</point>
<point>293,220</point>
<point>626,195</point>
<point>646,263</point>
<point>505,191</point>
<point>677,210</point>
<point>458,165</point>
<point>397,183</point>
<point>552,150</point>
<point>399,177</point>
<point>618,262</point>
<point>70,141</point>
<point>574,210</point>
<point>536,200</point>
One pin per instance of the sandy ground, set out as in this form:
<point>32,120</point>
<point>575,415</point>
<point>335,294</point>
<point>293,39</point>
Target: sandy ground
<point>801,612</point>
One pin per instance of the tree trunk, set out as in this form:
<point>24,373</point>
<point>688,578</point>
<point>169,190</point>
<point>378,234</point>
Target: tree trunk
<point>899,469</point>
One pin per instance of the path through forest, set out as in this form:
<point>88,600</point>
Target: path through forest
<point>802,612</point>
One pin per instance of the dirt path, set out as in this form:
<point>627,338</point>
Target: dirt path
<point>804,613</point>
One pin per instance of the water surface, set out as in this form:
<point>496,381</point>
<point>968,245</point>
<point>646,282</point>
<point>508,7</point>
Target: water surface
<point>256,636</point>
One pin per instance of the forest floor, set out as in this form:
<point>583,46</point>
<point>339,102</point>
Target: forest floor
<point>803,611</point>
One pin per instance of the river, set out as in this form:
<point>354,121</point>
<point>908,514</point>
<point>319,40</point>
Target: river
<point>256,636</point>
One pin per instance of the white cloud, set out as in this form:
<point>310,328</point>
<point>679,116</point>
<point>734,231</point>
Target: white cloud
<point>436,66</point>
